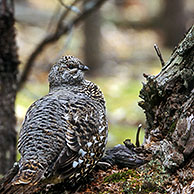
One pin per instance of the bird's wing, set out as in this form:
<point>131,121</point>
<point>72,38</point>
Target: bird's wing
<point>82,118</point>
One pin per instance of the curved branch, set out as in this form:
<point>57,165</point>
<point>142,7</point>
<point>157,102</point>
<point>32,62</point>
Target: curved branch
<point>53,37</point>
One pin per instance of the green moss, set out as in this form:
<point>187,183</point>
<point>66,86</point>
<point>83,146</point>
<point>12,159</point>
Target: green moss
<point>122,176</point>
<point>147,179</point>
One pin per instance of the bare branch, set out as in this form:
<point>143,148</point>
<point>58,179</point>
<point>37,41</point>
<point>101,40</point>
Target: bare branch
<point>64,15</point>
<point>137,135</point>
<point>70,7</point>
<point>61,29</point>
<point>159,54</point>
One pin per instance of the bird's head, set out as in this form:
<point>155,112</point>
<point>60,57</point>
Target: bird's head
<point>69,70</point>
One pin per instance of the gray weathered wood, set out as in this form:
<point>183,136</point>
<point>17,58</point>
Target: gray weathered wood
<point>169,108</point>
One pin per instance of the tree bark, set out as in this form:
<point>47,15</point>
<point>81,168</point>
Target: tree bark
<point>169,108</point>
<point>8,71</point>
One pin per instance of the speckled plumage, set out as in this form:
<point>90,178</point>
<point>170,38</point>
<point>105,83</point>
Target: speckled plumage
<point>64,133</point>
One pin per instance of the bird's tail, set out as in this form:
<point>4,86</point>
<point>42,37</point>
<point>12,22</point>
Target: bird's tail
<point>22,180</point>
<point>6,180</point>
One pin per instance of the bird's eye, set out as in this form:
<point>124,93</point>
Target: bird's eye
<point>70,66</point>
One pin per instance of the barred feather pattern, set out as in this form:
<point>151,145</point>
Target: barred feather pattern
<point>63,135</point>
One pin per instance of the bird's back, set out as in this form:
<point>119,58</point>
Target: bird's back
<point>63,135</point>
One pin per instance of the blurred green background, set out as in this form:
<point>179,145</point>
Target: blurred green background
<point>116,42</point>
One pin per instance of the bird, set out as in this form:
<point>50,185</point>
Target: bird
<point>64,133</point>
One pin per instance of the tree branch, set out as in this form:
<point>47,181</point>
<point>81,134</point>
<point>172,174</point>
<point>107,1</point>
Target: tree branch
<point>61,29</point>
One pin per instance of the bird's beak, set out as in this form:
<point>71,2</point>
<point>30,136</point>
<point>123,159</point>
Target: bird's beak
<point>83,67</point>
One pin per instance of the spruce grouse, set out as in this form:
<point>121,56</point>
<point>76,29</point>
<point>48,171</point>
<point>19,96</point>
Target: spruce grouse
<point>64,133</point>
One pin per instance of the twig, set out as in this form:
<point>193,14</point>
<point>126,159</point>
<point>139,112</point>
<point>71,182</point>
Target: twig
<point>53,37</point>
<point>64,15</point>
<point>70,7</point>
<point>159,54</point>
<point>137,135</point>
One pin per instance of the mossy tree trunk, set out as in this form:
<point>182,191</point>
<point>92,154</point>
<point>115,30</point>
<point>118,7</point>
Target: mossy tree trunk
<point>168,102</point>
<point>8,70</point>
